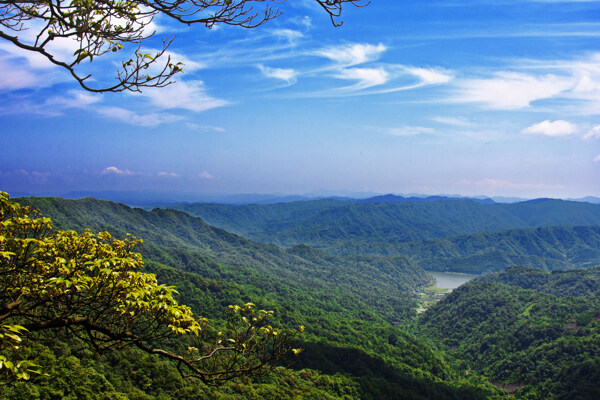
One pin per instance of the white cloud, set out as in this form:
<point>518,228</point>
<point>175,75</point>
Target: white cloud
<point>17,73</point>
<point>597,158</point>
<point>593,133</point>
<point>430,76</point>
<point>130,117</point>
<point>285,74</point>
<point>511,90</point>
<point>116,171</point>
<point>366,77</point>
<point>551,128</point>
<point>352,54</point>
<point>454,121</point>
<point>189,65</point>
<point>168,174</point>
<point>290,35</point>
<point>197,127</point>
<point>187,95</point>
<point>75,99</point>
<point>205,175</point>
<point>425,77</point>
<point>409,131</point>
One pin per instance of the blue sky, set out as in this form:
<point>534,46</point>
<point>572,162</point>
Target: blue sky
<point>498,98</point>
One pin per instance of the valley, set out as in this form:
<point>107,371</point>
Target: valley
<point>376,326</point>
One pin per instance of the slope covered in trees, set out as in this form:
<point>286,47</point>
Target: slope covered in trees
<point>567,283</point>
<point>530,340</point>
<point>445,235</point>
<point>546,248</point>
<point>348,305</point>
<point>333,223</point>
<point>175,238</point>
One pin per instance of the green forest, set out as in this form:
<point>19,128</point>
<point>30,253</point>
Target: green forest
<point>351,275</point>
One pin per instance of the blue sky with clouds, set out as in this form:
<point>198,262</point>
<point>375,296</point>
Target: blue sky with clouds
<point>443,96</point>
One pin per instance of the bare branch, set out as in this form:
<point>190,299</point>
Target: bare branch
<point>106,26</point>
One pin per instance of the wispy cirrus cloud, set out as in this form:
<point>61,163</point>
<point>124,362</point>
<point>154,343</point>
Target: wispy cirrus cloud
<point>185,95</point>
<point>408,131</point>
<point>510,90</point>
<point>288,75</point>
<point>571,86</point>
<point>454,121</point>
<point>430,76</point>
<point>133,118</point>
<point>352,54</point>
<point>364,77</point>
<point>166,174</point>
<point>290,35</point>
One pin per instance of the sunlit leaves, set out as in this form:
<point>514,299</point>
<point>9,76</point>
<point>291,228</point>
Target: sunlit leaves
<point>92,286</point>
<point>64,278</point>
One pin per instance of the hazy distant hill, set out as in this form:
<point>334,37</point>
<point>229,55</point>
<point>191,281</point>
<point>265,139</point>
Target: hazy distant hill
<point>390,198</point>
<point>323,223</point>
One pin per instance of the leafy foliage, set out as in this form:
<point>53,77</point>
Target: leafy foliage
<point>90,286</point>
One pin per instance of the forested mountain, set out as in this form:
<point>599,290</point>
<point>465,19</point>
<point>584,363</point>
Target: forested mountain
<point>546,248</point>
<point>175,238</point>
<point>339,225</point>
<point>526,330</point>
<point>350,306</point>
<point>444,235</point>
<point>543,342</point>
<point>567,283</point>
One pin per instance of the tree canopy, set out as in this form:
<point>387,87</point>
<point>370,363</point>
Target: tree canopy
<point>96,27</point>
<point>90,285</point>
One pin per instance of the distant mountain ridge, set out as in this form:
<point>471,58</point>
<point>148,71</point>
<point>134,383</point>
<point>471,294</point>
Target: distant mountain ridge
<point>322,223</point>
<point>390,198</point>
<point>156,198</point>
<point>439,234</point>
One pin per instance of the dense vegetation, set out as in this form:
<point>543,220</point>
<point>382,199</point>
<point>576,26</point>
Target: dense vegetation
<point>333,223</point>
<point>451,235</point>
<point>350,305</point>
<point>543,342</point>
<point>532,332</point>
<point>566,283</point>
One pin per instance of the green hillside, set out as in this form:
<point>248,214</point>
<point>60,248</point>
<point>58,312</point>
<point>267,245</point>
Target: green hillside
<point>174,238</point>
<point>339,225</point>
<point>540,344</point>
<point>445,235</point>
<point>546,248</point>
<point>567,283</point>
<point>350,306</point>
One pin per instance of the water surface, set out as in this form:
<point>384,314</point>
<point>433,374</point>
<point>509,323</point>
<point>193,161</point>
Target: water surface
<point>450,280</point>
